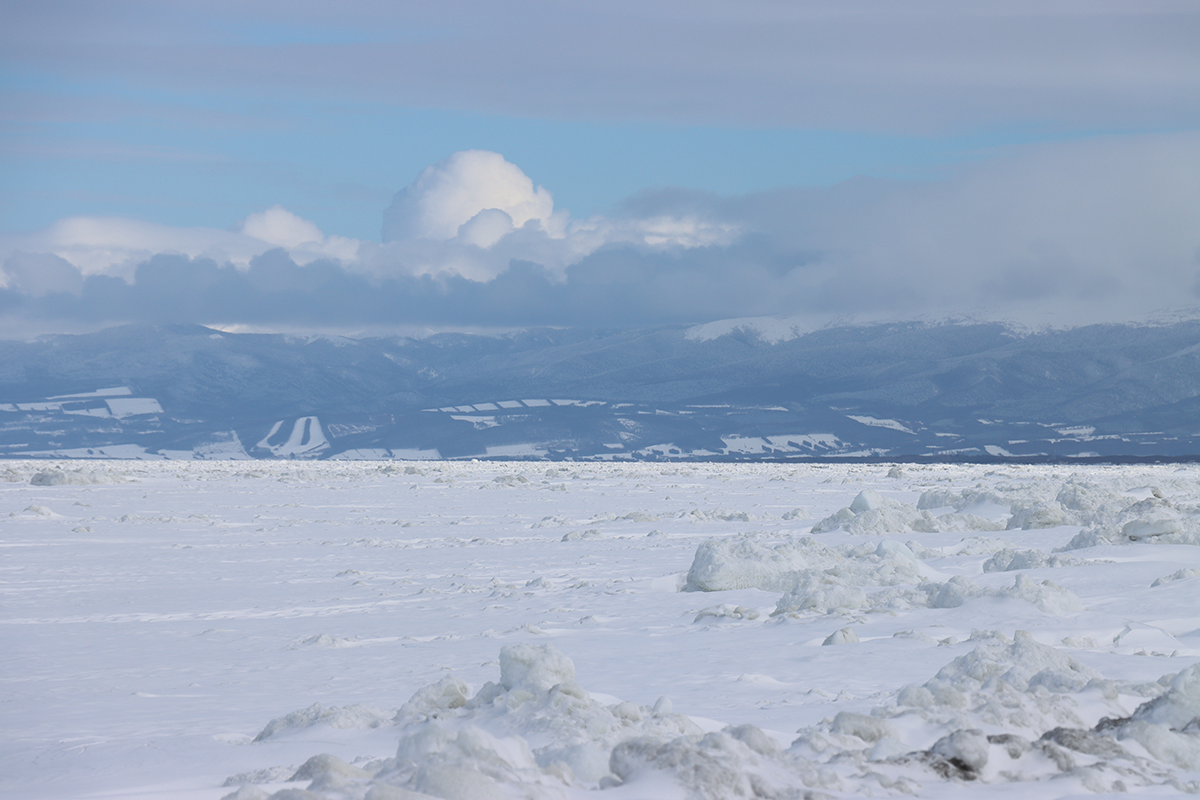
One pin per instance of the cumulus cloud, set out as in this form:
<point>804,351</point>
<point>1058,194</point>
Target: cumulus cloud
<point>469,216</point>
<point>475,194</point>
<point>1107,230</point>
<point>475,213</point>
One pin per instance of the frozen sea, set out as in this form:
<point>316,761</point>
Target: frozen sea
<point>466,630</point>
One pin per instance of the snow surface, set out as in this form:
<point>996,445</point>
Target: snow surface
<point>881,423</point>
<point>375,630</point>
<point>769,329</point>
<point>133,406</point>
<point>114,402</point>
<point>306,438</point>
<point>116,391</point>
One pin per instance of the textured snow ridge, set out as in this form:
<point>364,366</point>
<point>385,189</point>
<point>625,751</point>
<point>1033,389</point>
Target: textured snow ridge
<point>535,729</point>
<point>357,716</point>
<point>1006,712</point>
<point>871,513</point>
<point>881,577</point>
<point>750,562</point>
<point>1107,516</point>
<point>74,477</point>
<point>1153,521</point>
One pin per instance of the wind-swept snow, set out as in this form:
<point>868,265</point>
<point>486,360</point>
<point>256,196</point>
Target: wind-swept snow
<point>366,630</point>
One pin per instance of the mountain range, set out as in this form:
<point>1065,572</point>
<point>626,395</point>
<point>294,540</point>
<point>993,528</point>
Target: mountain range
<point>895,391</point>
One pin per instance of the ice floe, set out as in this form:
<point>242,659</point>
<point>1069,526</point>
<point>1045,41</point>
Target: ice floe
<point>361,629</point>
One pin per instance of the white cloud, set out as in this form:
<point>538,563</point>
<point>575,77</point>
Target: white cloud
<point>1086,231</point>
<point>470,215</point>
<point>486,228</point>
<point>116,245</point>
<point>475,212</point>
<point>1103,230</point>
<point>281,227</point>
<point>452,193</point>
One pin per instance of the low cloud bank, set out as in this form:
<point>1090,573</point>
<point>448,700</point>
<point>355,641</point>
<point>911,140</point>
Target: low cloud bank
<point>1103,230</point>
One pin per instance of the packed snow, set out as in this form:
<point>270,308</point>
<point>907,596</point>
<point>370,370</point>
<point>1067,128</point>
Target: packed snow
<point>305,438</point>
<point>115,402</point>
<point>366,630</point>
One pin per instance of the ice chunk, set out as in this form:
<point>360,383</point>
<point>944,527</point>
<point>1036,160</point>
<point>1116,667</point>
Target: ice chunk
<point>1047,595</point>
<point>588,761</point>
<point>464,763</point>
<point>355,716</point>
<point>78,477</point>
<point>978,545</point>
<point>325,763</point>
<point>869,729</point>
<point>870,513</point>
<point>1008,560</point>
<point>247,792</point>
<point>727,611</point>
<point>927,523</point>
<point>961,499</point>
<point>710,767</point>
<point>1179,575</point>
<point>868,500</point>
<point>520,738</point>
<point>743,563</point>
<point>1091,502</point>
<point>265,775</point>
<point>965,749</point>
<point>1140,529</point>
<point>747,562</point>
<point>821,593</point>
<point>534,667</point>
<point>1016,663</point>
<point>955,592</point>
<point>536,726</point>
<point>384,791</point>
<point>1040,515</point>
<point>448,693</point>
<point>451,782</point>
<point>1179,707</point>
<point>841,636</point>
<point>1182,750</point>
<point>1153,520</point>
<point>321,640</point>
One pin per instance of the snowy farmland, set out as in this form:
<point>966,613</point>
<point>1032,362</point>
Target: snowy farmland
<point>469,630</point>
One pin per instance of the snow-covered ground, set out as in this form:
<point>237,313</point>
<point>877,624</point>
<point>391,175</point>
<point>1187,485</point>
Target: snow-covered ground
<point>377,630</point>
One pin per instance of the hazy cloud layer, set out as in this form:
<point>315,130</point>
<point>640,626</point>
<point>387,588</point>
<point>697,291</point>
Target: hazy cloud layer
<point>919,66</point>
<point>1104,231</point>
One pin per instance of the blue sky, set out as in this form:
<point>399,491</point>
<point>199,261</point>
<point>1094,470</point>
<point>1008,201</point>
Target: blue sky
<point>194,116</point>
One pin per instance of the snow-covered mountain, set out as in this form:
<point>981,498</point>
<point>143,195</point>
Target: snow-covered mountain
<point>887,391</point>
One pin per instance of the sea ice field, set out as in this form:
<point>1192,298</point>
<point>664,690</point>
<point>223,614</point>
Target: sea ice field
<point>481,630</point>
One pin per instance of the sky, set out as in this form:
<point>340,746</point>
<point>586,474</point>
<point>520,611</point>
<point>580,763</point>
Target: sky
<point>469,165</point>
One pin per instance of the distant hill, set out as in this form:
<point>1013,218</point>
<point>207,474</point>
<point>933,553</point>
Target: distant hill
<point>885,391</point>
